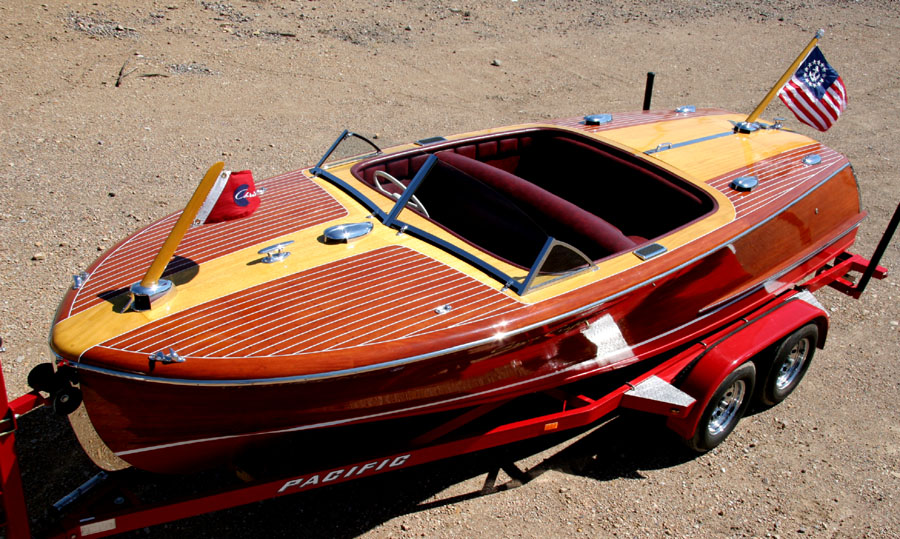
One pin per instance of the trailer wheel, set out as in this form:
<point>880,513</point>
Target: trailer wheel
<point>790,362</point>
<point>66,400</point>
<point>43,378</point>
<point>725,409</point>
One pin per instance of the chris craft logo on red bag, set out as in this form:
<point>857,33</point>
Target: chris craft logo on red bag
<point>242,195</point>
<point>233,196</point>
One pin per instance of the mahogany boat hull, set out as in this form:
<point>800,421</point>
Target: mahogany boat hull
<point>188,430</point>
<point>288,354</point>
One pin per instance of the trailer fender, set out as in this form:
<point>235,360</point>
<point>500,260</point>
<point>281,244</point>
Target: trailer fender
<point>704,374</point>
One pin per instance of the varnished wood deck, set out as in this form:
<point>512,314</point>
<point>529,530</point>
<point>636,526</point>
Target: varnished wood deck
<point>291,202</point>
<point>380,296</point>
<point>385,289</point>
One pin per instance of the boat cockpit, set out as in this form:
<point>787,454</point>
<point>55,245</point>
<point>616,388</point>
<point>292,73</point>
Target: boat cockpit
<point>546,200</point>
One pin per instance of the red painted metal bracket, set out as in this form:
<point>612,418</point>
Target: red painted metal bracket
<point>15,510</point>
<point>835,275</point>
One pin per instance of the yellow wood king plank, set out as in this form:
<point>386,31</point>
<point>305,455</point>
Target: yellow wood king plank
<point>711,158</point>
<point>649,136</point>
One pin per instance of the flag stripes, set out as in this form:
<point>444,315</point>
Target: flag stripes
<point>820,114</point>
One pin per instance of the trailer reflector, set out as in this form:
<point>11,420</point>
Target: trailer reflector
<point>98,527</point>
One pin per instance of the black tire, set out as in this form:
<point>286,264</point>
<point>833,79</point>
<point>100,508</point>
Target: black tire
<point>43,378</point>
<point>725,408</point>
<point>784,371</point>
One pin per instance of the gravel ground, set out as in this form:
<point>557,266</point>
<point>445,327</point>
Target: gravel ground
<point>110,112</point>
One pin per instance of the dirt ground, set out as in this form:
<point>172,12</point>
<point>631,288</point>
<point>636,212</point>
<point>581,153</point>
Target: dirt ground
<point>110,112</point>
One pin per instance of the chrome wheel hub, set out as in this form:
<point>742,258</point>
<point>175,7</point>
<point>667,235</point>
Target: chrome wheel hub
<point>725,413</point>
<point>792,364</point>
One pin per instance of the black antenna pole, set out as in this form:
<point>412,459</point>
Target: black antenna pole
<point>879,251</point>
<point>648,90</point>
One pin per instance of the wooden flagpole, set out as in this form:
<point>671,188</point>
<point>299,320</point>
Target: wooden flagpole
<point>181,226</point>
<point>783,80</point>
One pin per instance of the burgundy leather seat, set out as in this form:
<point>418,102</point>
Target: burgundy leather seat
<point>559,218</point>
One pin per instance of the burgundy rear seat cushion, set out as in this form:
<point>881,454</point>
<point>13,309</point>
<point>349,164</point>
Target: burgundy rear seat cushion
<point>641,171</point>
<point>541,203</point>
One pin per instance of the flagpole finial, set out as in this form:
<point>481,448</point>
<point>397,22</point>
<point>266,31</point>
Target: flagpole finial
<point>819,33</point>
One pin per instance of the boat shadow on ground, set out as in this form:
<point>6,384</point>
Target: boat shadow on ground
<point>53,465</point>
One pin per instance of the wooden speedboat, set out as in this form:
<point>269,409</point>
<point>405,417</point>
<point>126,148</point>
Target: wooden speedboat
<point>443,274</point>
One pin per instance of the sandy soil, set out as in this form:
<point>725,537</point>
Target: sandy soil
<point>110,112</point>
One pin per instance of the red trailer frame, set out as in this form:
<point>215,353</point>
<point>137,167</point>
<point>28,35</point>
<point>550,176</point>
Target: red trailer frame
<point>679,386</point>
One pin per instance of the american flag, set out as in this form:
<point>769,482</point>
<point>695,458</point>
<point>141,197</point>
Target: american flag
<point>816,93</point>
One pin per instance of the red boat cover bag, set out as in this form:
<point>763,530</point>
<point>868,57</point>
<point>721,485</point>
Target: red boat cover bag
<point>238,198</point>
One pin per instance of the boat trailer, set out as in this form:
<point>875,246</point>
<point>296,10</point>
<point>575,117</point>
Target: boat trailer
<point>701,389</point>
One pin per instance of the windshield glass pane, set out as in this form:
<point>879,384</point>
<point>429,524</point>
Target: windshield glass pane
<point>559,261</point>
<point>348,146</point>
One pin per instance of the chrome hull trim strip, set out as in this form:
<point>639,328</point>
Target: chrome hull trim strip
<point>300,428</point>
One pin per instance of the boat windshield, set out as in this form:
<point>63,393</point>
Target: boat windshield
<point>472,211</point>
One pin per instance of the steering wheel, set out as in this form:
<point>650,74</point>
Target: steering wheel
<point>414,202</point>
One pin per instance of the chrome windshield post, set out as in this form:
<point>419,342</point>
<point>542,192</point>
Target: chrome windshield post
<point>410,190</point>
